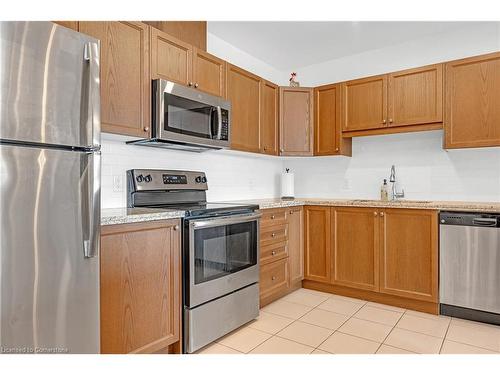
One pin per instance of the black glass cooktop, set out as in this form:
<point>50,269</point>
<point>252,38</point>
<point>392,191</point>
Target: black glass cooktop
<point>211,209</point>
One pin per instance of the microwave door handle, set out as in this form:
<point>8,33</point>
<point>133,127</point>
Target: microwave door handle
<point>219,122</point>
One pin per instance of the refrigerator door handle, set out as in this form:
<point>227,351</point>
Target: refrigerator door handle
<point>91,203</point>
<point>91,56</point>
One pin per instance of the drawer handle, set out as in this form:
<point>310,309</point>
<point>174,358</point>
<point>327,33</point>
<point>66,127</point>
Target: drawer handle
<point>273,235</point>
<point>272,217</point>
<point>273,278</point>
<point>381,214</point>
<point>375,214</point>
<point>273,252</point>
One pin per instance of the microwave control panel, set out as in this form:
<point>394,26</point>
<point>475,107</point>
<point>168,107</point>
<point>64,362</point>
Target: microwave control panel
<point>225,125</point>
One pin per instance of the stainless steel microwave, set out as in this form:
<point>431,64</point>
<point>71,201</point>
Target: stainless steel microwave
<point>185,118</point>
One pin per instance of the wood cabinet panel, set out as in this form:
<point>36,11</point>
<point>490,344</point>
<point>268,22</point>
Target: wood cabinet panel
<point>273,279</point>
<point>273,216</point>
<point>140,287</point>
<point>243,90</point>
<point>209,73</point>
<point>317,243</point>
<point>170,58</point>
<point>416,96</point>
<point>272,252</point>
<point>327,122</point>
<point>125,78</point>
<point>73,25</point>
<point>269,122</point>
<point>472,90</point>
<point>296,121</point>
<point>355,250</point>
<point>364,103</point>
<point>409,254</point>
<point>273,234</point>
<point>192,32</point>
<point>295,216</point>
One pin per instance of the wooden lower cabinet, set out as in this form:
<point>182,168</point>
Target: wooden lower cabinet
<point>355,247</point>
<point>318,250</point>
<point>281,252</point>
<point>409,253</point>
<point>141,287</point>
<point>384,255</point>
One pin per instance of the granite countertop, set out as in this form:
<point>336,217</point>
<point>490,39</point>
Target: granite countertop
<point>493,207</point>
<point>110,216</point>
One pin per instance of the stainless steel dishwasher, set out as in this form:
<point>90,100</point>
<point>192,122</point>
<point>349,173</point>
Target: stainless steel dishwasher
<point>469,265</point>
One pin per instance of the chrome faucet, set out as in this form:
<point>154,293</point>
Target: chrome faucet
<point>395,195</point>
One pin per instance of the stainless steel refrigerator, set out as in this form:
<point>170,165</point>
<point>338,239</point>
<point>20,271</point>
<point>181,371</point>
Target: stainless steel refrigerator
<point>49,189</point>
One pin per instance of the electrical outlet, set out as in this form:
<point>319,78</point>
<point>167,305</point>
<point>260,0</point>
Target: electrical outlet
<point>118,184</point>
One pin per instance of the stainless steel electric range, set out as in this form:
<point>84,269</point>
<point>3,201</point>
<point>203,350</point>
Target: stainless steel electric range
<point>220,252</point>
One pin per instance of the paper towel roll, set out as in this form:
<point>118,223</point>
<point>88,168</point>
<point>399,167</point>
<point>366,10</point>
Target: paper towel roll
<point>287,185</point>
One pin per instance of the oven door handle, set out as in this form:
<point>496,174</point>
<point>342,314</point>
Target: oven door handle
<point>218,221</point>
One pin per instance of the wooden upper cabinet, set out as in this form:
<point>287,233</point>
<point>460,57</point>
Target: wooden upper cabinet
<point>171,58</point>
<point>243,90</point>
<point>192,32</point>
<point>409,254</point>
<point>472,90</point>
<point>269,119</point>
<point>355,247</point>
<point>296,121</point>
<point>73,25</point>
<point>416,96</point>
<point>209,73</point>
<point>125,78</point>
<point>140,287</point>
<point>327,122</point>
<point>317,265</point>
<point>295,216</point>
<point>364,103</point>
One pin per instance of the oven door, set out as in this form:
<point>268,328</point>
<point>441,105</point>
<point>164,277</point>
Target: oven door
<point>223,256</point>
<point>186,115</point>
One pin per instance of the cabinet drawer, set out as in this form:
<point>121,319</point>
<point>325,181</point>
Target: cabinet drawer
<point>273,217</point>
<point>273,278</point>
<point>273,252</point>
<point>274,234</point>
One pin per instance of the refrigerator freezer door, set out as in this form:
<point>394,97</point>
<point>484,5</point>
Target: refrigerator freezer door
<point>49,85</point>
<point>49,240</point>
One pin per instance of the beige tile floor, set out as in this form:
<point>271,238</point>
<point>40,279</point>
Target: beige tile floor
<point>312,322</point>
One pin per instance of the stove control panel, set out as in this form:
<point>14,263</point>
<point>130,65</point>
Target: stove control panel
<point>155,179</point>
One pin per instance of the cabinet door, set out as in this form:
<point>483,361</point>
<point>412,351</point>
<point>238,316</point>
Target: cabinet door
<point>317,243</point>
<point>243,90</point>
<point>125,79</point>
<point>73,25</point>
<point>416,96</point>
<point>296,243</point>
<point>364,103</point>
<point>472,114</point>
<point>296,121</point>
<point>356,241</point>
<point>170,58</point>
<point>269,118</point>
<point>327,122</point>
<point>209,73</point>
<point>140,287</point>
<point>409,254</point>
<point>273,281</point>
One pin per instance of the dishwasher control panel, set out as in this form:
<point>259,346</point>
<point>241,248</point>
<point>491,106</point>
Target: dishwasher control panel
<point>470,219</point>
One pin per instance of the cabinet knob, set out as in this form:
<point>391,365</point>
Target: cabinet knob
<point>375,214</point>
<point>381,214</point>
<point>196,85</point>
<point>384,121</point>
<point>272,217</point>
<point>176,227</point>
<point>273,278</point>
<point>282,150</point>
<point>146,128</point>
<point>273,235</point>
<point>336,148</point>
<point>265,148</point>
<point>273,253</point>
<point>390,121</point>
<point>190,83</point>
<point>291,212</point>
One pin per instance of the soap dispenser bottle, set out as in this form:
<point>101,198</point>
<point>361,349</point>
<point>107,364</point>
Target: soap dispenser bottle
<point>384,191</point>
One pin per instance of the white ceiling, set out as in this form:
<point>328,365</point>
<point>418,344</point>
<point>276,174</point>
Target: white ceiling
<point>291,45</point>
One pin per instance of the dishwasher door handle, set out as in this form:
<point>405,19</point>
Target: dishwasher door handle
<point>485,222</point>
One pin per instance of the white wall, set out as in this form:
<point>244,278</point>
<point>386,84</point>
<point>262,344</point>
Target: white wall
<point>424,170</point>
<point>231,175</point>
